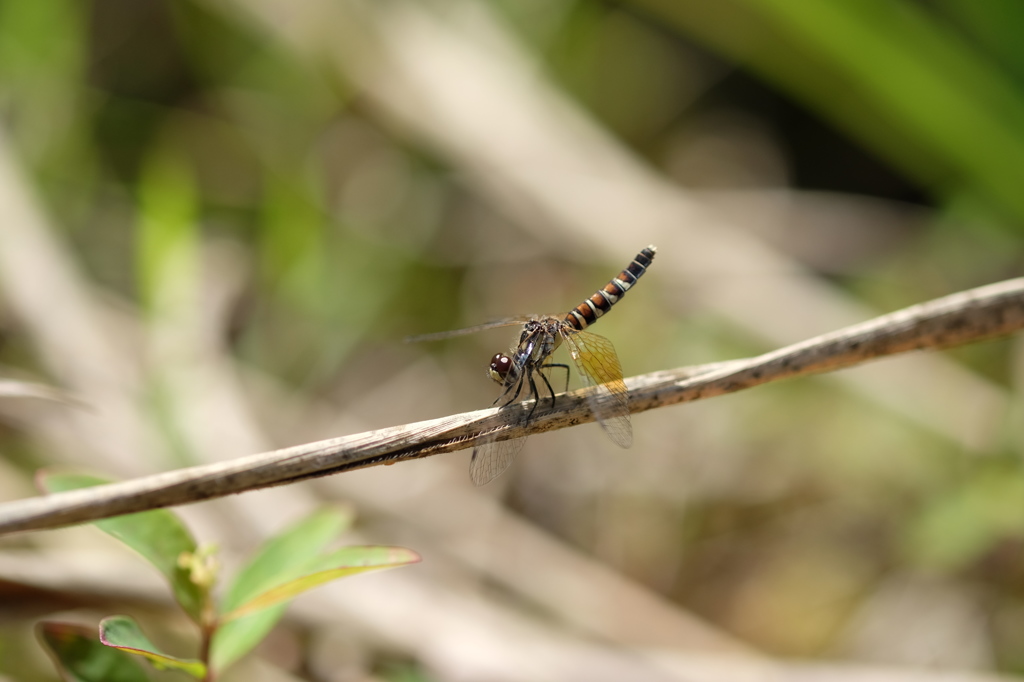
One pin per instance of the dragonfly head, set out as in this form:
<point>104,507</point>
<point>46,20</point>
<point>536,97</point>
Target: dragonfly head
<point>501,365</point>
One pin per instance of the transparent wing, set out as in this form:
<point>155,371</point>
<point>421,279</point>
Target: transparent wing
<point>598,365</point>
<point>494,324</point>
<point>491,459</point>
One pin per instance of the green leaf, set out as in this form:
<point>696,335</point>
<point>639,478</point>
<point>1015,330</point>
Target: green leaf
<point>338,564</point>
<point>282,556</point>
<point>158,535</point>
<point>124,634</point>
<point>280,559</point>
<point>81,657</point>
<point>233,640</point>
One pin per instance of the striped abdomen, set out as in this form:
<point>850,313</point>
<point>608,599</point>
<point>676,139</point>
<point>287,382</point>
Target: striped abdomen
<point>586,313</point>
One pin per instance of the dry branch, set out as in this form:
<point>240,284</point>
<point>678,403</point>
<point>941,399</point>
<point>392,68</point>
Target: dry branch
<point>961,318</point>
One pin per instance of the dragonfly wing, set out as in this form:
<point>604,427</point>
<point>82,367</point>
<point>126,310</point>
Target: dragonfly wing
<point>494,324</point>
<point>598,365</point>
<point>491,459</point>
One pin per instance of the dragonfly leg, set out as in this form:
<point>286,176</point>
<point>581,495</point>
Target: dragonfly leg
<point>560,366</point>
<point>535,393</point>
<point>548,383</point>
<point>519,388</point>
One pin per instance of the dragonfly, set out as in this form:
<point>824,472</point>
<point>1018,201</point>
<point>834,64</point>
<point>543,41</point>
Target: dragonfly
<point>593,356</point>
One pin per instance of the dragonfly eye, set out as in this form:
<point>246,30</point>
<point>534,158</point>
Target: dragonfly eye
<point>499,368</point>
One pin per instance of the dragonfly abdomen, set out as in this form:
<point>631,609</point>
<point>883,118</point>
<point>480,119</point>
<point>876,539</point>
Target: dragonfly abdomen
<point>586,313</point>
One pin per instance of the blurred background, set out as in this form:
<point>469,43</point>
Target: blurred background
<point>219,219</point>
